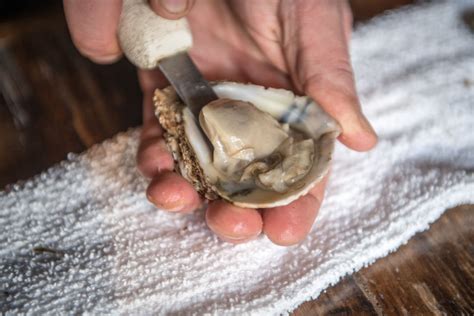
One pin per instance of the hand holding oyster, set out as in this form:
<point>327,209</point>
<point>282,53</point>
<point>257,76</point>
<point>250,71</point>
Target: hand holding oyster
<point>260,147</point>
<point>263,171</point>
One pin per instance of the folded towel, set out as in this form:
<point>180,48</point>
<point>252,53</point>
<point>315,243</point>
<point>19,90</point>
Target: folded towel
<point>81,237</point>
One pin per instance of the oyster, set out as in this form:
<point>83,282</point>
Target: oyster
<point>255,147</point>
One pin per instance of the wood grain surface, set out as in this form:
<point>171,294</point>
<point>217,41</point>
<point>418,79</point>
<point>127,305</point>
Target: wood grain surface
<point>433,274</point>
<point>53,101</point>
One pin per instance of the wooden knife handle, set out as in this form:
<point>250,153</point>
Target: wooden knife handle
<point>146,38</point>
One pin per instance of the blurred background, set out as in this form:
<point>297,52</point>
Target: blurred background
<point>54,101</point>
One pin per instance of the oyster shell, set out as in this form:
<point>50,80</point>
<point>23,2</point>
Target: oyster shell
<point>293,155</point>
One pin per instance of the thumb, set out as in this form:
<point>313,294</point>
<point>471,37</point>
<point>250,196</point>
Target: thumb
<point>320,65</point>
<point>171,9</point>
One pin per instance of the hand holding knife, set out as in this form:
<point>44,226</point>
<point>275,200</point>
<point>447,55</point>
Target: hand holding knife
<point>150,41</point>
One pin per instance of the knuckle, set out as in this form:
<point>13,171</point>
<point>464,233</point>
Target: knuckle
<point>335,78</point>
<point>153,158</point>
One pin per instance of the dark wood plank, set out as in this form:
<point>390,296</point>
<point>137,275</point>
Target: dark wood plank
<point>54,101</point>
<point>433,274</point>
<point>345,298</point>
<point>366,9</point>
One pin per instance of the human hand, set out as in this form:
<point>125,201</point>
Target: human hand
<point>299,45</point>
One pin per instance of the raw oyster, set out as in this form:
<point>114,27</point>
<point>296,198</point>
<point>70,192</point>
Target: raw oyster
<point>255,147</point>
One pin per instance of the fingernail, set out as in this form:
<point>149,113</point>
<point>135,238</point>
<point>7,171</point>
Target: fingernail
<point>169,207</point>
<point>105,59</point>
<point>234,240</point>
<point>238,237</point>
<point>174,6</point>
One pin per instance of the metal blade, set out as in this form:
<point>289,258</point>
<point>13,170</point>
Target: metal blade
<point>188,82</point>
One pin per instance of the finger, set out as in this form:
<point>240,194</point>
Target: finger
<point>232,223</point>
<point>288,225</point>
<point>151,80</point>
<point>150,122</point>
<point>153,157</point>
<point>320,66</point>
<point>171,192</point>
<point>151,129</point>
<point>347,21</point>
<point>93,26</point>
<point>318,190</point>
<point>171,9</point>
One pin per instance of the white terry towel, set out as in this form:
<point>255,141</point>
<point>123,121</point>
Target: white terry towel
<point>116,253</point>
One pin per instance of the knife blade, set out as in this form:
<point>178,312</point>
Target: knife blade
<point>188,82</point>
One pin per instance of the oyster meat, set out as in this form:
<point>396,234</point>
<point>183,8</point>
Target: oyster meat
<point>252,149</point>
<point>254,146</point>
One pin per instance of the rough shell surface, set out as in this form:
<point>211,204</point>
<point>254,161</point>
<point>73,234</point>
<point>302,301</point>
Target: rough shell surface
<point>169,113</point>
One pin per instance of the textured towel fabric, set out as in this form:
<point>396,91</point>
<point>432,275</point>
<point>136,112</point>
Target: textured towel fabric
<point>115,253</point>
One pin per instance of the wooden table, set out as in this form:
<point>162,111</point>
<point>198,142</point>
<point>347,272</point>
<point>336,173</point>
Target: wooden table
<point>53,101</point>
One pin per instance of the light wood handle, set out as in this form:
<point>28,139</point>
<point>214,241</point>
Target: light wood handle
<point>146,38</point>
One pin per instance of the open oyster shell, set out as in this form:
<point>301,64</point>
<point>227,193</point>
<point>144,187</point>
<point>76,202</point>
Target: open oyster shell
<point>193,155</point>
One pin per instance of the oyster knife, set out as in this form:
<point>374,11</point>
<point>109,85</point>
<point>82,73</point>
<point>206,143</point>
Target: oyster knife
<point>188,82</point>
<point>150,41</point>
